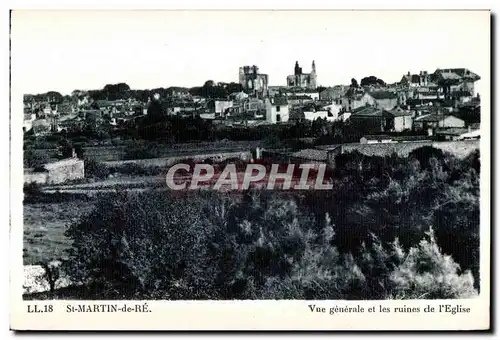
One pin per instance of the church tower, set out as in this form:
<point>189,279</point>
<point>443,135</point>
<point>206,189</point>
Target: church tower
<point>297,70</point>
<point>313,77</point>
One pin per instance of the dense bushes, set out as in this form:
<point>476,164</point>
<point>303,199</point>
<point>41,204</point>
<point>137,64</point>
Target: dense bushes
<point>142,151</point>
<point>368,238</point>
<point>133,169</point>
<point>94,169</point>
<point>34,159</point>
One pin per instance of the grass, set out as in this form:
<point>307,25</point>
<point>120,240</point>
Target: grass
<point>44,227</point>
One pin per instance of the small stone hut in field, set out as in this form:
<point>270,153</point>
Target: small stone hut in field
<point>57,172</point>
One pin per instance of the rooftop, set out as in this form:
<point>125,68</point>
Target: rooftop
<point>366,111</point>
<point>433,117</point>
<point>452,131</point>
<point>399,112</point>
<point>279,101</point>
<point>311,154</point>
<point>460,72</point>
<point>383,95</point>
<point>378,137</point>
<point>295,97</point>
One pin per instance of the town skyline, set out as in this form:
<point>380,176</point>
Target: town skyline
<point>216,80</point>
<point>148,50</point>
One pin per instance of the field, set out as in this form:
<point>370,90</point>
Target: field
<point>44,227</point>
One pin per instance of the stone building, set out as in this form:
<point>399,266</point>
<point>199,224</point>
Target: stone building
<point>277,110</point>
<point>300,79</point>
<point>437,120</point>
<point>57,172</point>
<point>252,81</point>
<point>456,81</point>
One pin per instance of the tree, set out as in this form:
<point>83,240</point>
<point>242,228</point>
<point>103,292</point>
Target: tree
<point>209,83</point>
<point>34,159</point>
<point>51,273</point>
<point>354,83</point>
<point>372,80</point>
<point>234,87</point>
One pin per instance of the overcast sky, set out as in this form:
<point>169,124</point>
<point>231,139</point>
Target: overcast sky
<point>67,50</point>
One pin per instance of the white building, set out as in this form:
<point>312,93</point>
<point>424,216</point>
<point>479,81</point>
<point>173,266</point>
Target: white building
<point>29,118</point>
<point>277,110</point>
<point>313,115</point>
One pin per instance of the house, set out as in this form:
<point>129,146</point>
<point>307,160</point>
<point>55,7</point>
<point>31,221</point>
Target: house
<point>449,133</point>
<point>219,106</point>
<point>333,93</point>
<point>238,96</point>
<point>373,139</point>
<point>456,79</point>
<point>382,99</point>
<point>457,133</point>
<point>350,102</point>
<point>57,172</point>
<point>416,80</point>
<point>47,110</point>
<point>313,115</point>
<point>402,119</point>
<point>367,119</point>
<point>70,125</point>
<point>374,120</point>
<point>277,110</point>
<point>437,120</point>
<point>299,99</point>
<point>300,92</point>
<point>356,98</point>
<point>462,97</point>
<point>427,93</point>
<point>328,112</point>
<point>184,108</point>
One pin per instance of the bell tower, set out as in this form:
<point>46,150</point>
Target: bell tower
<point>297,68</point>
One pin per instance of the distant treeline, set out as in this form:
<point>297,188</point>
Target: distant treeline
<point>210,89</point>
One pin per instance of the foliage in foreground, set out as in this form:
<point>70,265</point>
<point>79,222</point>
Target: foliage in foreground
<point>155,246</point>
<point>368,238</point>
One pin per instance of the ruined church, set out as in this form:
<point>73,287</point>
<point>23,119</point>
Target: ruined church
<point>304,80</point>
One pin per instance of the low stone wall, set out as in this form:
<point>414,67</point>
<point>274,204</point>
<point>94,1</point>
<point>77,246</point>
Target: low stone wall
<point>168,161</point>
<point>457,148</point>
<point>57,172</point>
<point>66,172</point>
<point>36,177</point>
